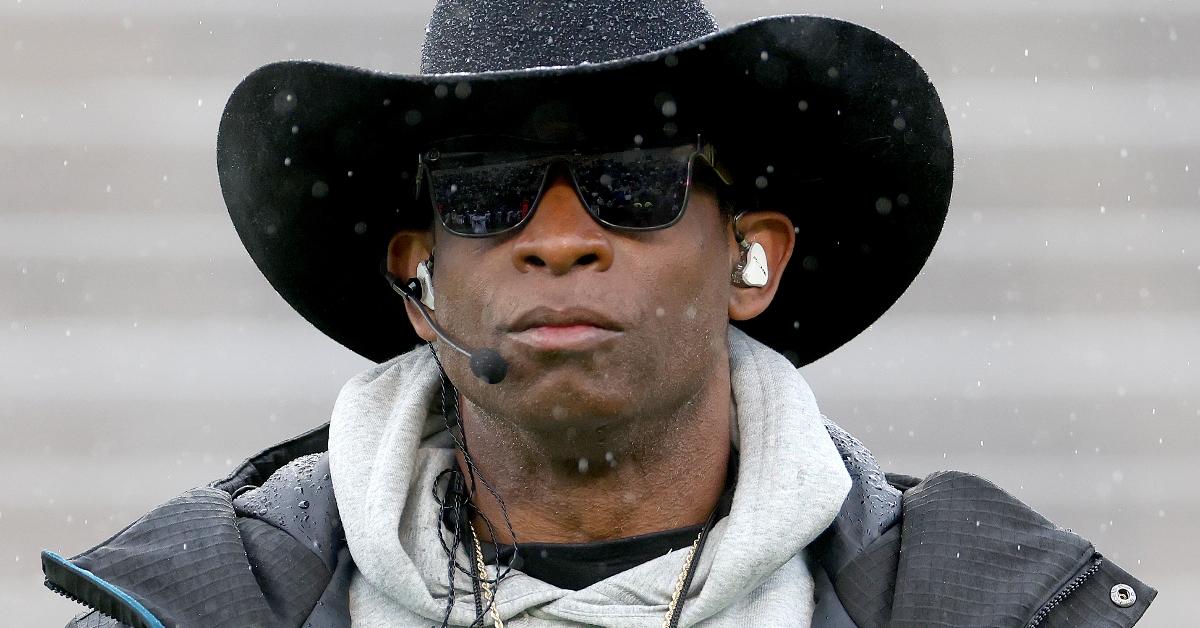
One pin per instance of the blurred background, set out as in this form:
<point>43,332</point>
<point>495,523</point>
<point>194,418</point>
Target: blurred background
<point>1052,344</point>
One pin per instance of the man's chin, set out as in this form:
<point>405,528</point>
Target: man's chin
<point>580,406</point>
<point>562,403</point>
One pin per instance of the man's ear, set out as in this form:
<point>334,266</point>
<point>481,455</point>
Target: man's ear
<point>775,232</point>
<point>407,249</point>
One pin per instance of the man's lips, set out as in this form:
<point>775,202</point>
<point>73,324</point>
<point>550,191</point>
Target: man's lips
<point>543,316</point>
<point>564,337</point>
<point>571,329</point>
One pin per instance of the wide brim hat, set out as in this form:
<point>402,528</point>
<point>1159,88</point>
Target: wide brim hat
<point>821,119</point>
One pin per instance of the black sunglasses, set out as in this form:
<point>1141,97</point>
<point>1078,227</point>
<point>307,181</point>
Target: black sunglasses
<point>478,192</point>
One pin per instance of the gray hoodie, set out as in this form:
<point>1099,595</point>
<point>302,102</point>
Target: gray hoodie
<point>386,448</point>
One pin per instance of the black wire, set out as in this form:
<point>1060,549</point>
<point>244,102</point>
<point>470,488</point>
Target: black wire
<point>462,524</point>
<point>459,522</point>
<point>452,501</point>
<point>479,600</point>
<point>457,510</point>
<point>460,442</point>
<point>452,551</point>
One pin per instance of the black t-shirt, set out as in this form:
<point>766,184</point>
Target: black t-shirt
<point>579,565</point>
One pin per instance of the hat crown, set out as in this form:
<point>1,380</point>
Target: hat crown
<point>489,35</point>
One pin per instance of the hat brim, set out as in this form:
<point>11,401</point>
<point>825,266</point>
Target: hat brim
<point>824,120</point>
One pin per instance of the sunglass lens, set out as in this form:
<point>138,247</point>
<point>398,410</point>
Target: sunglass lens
<point>637,189</point>
<point>485,200</point>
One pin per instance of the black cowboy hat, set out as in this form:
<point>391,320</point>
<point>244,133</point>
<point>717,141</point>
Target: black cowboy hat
<point>827,121</point>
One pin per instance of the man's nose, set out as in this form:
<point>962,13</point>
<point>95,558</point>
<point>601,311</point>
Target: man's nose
<point>561,236</point>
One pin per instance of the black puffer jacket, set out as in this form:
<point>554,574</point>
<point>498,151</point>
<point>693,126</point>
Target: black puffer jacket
<point>264,547</point>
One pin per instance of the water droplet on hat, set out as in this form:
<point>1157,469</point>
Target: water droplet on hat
<point>284,102</point>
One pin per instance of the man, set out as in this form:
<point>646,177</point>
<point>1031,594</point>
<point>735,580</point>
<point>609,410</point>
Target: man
<point>605,425</point>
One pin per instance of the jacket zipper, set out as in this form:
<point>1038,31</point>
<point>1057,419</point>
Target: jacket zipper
<point>1065,592</point>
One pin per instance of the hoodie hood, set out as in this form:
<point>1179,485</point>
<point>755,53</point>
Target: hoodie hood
<point>386,449</point>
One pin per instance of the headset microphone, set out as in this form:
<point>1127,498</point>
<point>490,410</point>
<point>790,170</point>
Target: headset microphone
<point>486,363</point>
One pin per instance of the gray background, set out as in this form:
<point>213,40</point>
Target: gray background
<point>1050,344</point>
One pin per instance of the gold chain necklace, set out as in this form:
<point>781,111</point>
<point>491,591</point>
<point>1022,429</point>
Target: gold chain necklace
<point>487,587</point>
<point>483,582</point>
<point>687,566</point>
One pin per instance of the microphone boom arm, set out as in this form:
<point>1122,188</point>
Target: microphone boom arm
<point>486,363</point>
